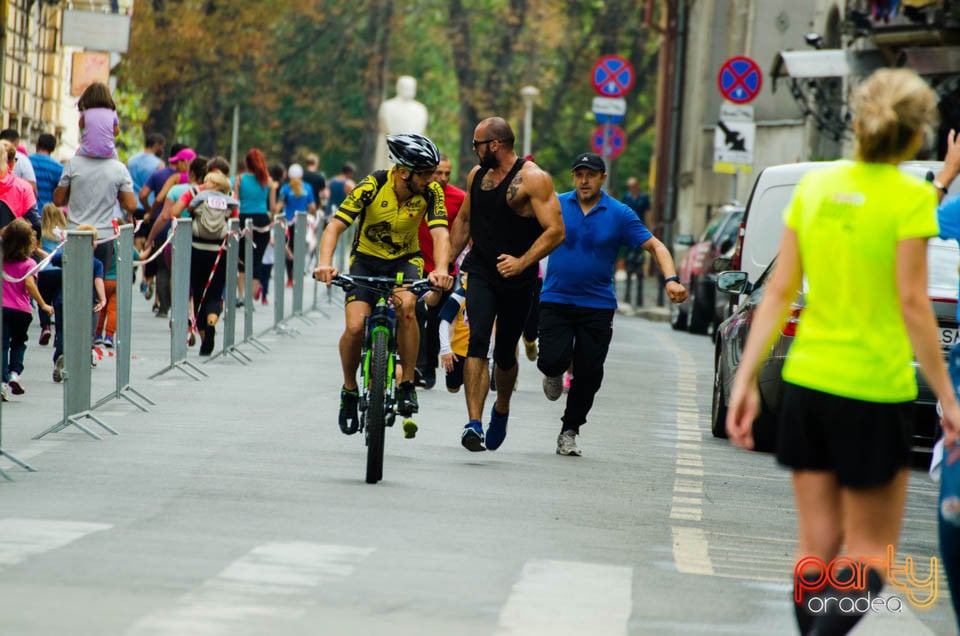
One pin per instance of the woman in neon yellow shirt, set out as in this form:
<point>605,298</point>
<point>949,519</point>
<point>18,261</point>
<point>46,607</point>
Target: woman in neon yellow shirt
<point>858,232</point>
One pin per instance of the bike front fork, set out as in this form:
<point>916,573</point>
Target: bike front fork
<point>391,396</point>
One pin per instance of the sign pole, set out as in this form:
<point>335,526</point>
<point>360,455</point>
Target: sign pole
<point>606,143</point>
<point>612,77</point>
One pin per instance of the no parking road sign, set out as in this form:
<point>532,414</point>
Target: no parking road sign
<point>612,76</point>
<point>616,141</point>
<point>739,80</point>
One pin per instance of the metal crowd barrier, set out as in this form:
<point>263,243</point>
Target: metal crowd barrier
<point>123,337</point>
<point>77,306</point>
<point>248,337</point>
<point>180,320</point>
<point>229,322</point>
<point>77,335</point>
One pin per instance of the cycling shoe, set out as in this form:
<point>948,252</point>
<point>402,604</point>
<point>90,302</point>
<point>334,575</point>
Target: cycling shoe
<point>349,420</point>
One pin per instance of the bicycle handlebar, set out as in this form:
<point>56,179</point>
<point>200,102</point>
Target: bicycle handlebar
<point>383,284</point>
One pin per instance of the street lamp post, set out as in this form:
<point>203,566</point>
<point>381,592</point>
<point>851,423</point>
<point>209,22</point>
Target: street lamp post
<point>529,95</point>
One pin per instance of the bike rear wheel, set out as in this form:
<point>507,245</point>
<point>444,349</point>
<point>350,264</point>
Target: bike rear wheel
<point>377,406</point>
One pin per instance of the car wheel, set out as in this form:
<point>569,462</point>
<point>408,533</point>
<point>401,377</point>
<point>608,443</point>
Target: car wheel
<point>700,316</point>
<point>678,317</point>
<point>718,412</point>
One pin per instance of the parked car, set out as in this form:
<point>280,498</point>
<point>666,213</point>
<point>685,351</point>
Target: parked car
<point>943,258</point>
<point>695,270</point>
<point>762,225</point>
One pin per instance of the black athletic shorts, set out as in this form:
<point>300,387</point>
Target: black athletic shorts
<point>363,265</point>
<point>489,302</point>
<point>864,443</point>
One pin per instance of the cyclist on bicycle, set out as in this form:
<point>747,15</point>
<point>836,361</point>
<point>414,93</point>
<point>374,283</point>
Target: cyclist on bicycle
<point>390,205</point>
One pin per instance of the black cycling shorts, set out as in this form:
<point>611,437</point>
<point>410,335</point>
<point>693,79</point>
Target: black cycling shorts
<point>864,443</point>
<point>410,265</point>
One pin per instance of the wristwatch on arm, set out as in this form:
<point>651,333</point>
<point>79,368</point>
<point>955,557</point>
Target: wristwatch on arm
<point>942,182</point>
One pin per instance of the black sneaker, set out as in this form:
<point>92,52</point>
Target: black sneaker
<point>349,420</point>
<point>207,342</point>
<point>407,399</point>
<point>429,378</point>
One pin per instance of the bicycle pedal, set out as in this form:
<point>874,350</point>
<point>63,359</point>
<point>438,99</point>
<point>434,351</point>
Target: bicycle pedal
<point>409,429</point>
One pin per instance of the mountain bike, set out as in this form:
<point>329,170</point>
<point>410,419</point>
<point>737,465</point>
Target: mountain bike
<point>378,362</point>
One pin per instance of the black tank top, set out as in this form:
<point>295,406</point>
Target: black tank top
<point>496,229</point>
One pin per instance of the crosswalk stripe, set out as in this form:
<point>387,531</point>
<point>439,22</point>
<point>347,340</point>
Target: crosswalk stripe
<point>691,551</point>
<point>273,581</point>
<point>554,598</point>
<point>23,538</point>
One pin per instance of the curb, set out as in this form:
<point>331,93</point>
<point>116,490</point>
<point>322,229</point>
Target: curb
<point>653,314</point>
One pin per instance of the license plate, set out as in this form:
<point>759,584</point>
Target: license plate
<point>949,336</point>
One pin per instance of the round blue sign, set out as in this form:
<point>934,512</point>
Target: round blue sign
<point>608,141</point>
<point>612,76</point>
<point>740,80</point>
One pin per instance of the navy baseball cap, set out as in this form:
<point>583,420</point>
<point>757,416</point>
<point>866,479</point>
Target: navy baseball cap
<point>591,161</point>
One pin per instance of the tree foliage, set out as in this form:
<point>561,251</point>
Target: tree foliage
<point>310,74</point>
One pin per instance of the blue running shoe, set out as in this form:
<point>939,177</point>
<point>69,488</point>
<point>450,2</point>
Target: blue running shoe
<point>497,431</point>
<point>472,437</point>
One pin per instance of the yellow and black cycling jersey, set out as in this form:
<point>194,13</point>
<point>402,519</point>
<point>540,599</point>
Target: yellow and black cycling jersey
<point>387,228</point>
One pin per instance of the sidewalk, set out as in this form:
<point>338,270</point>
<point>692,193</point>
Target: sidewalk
<point>41,406</point>
<point>648,309</point>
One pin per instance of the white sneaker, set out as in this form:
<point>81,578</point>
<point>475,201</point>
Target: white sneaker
<point>567,444</point>
<point>58,369</point>
<point>4,391</point>
<point>13,381</point>
<point>553,387</point>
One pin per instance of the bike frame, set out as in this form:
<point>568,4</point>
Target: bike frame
<point>382,319</point>
<point>378,357</point>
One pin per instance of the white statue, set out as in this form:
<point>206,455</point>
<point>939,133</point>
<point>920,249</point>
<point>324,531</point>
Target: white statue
<point>402,114</point>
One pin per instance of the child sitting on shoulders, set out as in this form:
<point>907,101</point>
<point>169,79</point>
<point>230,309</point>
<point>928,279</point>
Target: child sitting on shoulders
<point>99,123</point>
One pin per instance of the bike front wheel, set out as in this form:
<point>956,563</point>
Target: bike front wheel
<point>377,406</point>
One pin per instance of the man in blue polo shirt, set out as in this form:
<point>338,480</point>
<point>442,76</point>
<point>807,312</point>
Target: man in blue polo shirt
<point>577,302</point>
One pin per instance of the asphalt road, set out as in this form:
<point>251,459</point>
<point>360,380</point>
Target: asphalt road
<point>235,506</point>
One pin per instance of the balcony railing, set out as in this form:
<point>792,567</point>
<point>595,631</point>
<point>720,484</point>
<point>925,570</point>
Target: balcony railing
<point>936,22</point>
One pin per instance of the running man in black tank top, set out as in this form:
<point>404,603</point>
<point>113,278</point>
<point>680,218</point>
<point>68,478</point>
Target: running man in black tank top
<point>512,214</point>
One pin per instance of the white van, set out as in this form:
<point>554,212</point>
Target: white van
<point>762,224</point>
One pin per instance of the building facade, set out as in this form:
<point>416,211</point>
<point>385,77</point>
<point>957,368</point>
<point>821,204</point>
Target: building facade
<point>812,55</point>
<point>33,65</point>
<point>35,93</point>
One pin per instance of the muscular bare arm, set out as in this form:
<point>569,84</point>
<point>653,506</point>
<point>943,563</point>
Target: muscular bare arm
<point>460,232</point>
<point>546,208</point>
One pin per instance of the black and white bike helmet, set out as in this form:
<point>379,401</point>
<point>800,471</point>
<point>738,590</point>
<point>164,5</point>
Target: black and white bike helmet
<point>412,151</point>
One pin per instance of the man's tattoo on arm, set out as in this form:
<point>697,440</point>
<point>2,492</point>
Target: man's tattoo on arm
<point>514,187</point>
